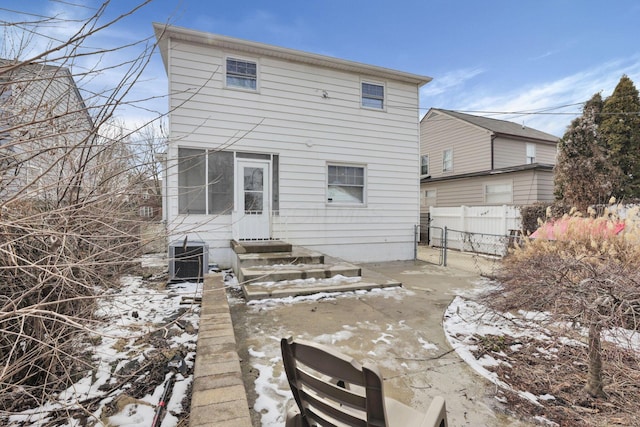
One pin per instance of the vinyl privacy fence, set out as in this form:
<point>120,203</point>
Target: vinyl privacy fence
<point>480,229</point>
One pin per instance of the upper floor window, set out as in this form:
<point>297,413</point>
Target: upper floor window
<point>345,184</point>
<point>531,153</point>
<point>447,160</point>
<point>242,74</point>
<point>424,165</point>
<point>373,95</point>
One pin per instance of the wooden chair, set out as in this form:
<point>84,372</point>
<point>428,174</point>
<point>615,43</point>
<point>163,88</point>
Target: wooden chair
<point>332,389</point>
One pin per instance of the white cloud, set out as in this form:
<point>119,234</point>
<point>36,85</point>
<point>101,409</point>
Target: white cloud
<point>450,81</point>
<point>554,101</point>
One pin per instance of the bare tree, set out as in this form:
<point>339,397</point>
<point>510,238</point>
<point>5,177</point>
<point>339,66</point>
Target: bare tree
<point>67,223</point>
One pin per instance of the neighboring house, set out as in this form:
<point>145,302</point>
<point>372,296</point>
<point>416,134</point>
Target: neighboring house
<point>147,198</point>
<point>273,143</point>
<point>478,161</point>
<point>44,129</point>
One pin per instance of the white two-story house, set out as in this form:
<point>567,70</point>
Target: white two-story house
<point>273,143</point>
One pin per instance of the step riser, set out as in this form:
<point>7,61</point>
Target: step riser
<point>283,260</point>
<point>277,276</point>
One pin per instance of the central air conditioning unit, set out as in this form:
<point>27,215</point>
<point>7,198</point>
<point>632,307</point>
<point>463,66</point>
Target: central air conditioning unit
<point>188,261</point>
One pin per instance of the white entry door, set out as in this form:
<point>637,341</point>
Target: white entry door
<point>253,182</point>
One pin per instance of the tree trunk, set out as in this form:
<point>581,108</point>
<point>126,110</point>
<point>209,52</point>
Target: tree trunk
<point>594,381</point>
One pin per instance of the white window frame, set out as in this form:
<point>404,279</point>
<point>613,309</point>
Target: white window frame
<point>330,200</point>
<point>447,166</point>
<point>531,153</point>
<point>424,164</point>
<point>146,211</point>
<point>429,197</point>
<point>383,99</point>
<point>498,197</point>
<point>241,87</point>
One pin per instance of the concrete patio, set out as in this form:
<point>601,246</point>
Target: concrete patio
<point>400,329</point>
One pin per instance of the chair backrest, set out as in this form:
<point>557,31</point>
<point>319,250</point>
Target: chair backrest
<point>331,388</point>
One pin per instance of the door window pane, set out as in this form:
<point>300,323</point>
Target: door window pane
<point>253,189</point>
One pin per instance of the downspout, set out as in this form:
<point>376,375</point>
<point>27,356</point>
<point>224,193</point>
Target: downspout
<point>493,137</point>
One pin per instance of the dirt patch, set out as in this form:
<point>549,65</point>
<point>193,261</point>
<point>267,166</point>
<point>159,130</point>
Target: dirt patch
<point>555,370</point>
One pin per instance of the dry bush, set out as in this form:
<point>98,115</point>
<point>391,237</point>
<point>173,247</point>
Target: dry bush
<point>68,172</point>
<point>587,276</point>
<point>53,263</point>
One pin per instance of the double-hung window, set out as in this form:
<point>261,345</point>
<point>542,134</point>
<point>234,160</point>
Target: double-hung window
<point>205,181</point>
<point>424,164</point>
<point>531,153</point>
<point>373,95</point>
<point>242,74</point>
<point>346,184</point>
<point>447,160</point>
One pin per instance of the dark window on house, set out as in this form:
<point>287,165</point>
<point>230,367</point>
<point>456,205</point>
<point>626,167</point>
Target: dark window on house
<point>242,74</point>
<point>372,95</point>
<point>424,165</point>
<point>205,181</point>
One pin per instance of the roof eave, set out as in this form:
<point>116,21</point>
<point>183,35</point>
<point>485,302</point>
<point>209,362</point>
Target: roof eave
<point>164,32</point>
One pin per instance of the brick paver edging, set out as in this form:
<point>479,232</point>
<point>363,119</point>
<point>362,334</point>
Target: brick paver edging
<point>219,397</point>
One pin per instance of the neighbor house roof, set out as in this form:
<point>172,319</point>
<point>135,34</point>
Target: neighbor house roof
<point>509,169</point>
<point>165,32</point>
<point>501,127</point>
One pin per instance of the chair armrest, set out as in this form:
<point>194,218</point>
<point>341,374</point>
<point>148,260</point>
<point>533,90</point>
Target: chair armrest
<point>436,415</point>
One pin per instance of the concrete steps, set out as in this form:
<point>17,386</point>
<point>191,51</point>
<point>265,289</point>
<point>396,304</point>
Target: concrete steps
<point>266,269</point>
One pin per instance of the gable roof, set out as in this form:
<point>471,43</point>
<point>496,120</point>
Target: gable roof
<point>165,32</point>
<point>500,127</point>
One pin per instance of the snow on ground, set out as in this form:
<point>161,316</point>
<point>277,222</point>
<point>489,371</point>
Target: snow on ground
<point>130,315</point>
<point>463,321</point>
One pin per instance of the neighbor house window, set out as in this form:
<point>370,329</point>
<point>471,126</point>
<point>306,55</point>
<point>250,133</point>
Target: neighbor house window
<point>429,198</point>
<point>424,165</point>
<point>372,95</point>
<point>146,211</point>
<point>498,193</point>
<point>531,153</point>
<point>242,74</point>
<point>205,181</point>
<point>447,160</point>
<point>345,184</point>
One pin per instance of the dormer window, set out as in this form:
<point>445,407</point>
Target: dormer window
<point>242,74</point>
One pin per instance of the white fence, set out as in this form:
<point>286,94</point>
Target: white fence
<point>483,229</point>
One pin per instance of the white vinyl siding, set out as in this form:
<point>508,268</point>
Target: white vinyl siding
<point>471,145</point>
<point>527,187</point>
<point>310,116</point>
<point>513,152</point>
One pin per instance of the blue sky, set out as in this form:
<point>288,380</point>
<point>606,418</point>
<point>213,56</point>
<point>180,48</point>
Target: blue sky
<point>497,56</point>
